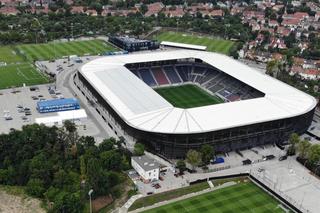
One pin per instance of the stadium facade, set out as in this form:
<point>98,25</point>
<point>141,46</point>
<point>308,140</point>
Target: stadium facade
<point>258,109</point>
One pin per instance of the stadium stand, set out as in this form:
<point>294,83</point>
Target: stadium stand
<point>209,78</point>
<point>160,76</point>
<point>147,77</point>
<point>172,74</point>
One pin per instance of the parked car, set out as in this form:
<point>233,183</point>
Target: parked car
<point>283,158</point>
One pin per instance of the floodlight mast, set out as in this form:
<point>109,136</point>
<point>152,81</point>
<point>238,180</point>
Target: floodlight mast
<point>89,193</point>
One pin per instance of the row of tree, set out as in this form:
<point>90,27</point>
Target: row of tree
<point>308,154</point>
<point>59,167</point>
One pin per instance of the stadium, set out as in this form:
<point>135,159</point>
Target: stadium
<point>173,101</point>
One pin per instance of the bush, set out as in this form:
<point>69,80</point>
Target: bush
<point>35,187</point>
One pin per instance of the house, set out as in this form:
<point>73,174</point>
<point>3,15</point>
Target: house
<point>91,12</point>
<point>146,167</point>
<point>77,9</point>
<point>306,73</point>
<point>291,22</point>
<point>9,11</point>
<point>154,9</point>
<point>174,12</point>
<point>273,23</point>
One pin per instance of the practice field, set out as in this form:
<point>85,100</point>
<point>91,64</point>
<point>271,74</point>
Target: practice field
<point>8,55</point>
<point>15,75</point>
<point>187,96</point>
<point>243,197</point>
<point>54,50</point>
<point>213,44</point>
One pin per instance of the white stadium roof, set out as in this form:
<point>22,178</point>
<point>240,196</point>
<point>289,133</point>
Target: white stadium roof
<point>182,45</point>
<point>143,108</point>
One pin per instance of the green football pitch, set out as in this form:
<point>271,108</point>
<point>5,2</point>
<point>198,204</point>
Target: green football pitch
<point>240,198</point>
<point>212,44</point>
<point>8,55</point>
<point>15,75</point>
<point>55,50</point>
<point>187,96</point>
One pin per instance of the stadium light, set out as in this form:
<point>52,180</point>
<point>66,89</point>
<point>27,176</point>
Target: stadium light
<point>89,193</point>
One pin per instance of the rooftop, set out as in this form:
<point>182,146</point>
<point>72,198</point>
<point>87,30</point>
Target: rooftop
<point>146,163</point>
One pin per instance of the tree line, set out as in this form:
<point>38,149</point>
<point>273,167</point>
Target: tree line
<point>60,167</point>
<point>308,153</point>
<point>21,28</point>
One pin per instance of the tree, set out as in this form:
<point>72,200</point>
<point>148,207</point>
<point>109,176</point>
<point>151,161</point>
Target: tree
<point>107,144</point>
<point>138,149</point>
<point>313,154</point>
<point>143,9</point>
<point>181,165</point>
<point>273,68</point>
<point>303,148</point>
<point>35,187</point>
<point>193,158</point>
<point>293,141</point>
<point>206,153</point>
<point>111,160</point>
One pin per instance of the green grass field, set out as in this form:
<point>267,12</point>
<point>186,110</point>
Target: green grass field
<point>188,96</point>
<point>54,50</point>
<point>15,75</point>
<point>19,59</point>
<point>213,44</point>
<point>8,55</point>
<point>243,197</point>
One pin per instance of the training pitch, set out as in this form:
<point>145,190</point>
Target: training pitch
<point>243,197</point>
<point>55,50</point>
<point>187,96</point>
<point>212,44</point>
<point>15,75</point>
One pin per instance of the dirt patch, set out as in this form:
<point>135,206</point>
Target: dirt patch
<point>101,202</point>
<point>18,204</point>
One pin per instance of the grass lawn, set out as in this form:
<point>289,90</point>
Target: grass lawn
<point>243,197</point>
<point>8,55</point>
<point>54,50</point>
<point>213,44</point>
<point>188,96</point>
<point>152,199</point>
<point>17,74</point>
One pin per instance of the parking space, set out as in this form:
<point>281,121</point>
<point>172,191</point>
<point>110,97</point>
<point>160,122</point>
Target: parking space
<point>168,181</point>
<point>250,156</point>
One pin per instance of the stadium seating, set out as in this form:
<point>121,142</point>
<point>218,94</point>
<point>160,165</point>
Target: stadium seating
<point>172,74</point>
<point>147,77</point>
<point>219,83</point>
<point>160,76</point>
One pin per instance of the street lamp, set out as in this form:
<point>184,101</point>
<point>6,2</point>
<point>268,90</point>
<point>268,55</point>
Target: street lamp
<point>89,193</point>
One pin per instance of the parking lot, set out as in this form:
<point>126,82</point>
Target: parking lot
<point>18,106</point>
<point>167,181</point>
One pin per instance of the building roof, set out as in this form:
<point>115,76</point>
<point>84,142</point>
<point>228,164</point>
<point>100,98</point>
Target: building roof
<point>143,108</point>
<point>57,102</point>
<point>62,116</point>
<point>72,114</point>
<point>182,45</point>
<point>146,163</point>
